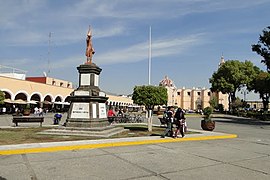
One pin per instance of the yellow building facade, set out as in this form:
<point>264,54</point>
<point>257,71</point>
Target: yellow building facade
<point>191,98</point>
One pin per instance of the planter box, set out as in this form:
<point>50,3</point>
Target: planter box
<point>208,125</point>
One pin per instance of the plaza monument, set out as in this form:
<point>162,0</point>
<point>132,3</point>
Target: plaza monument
<point>87,102</point>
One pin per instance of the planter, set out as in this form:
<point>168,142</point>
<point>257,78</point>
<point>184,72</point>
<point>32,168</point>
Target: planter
<point>208,125</point>
<point>26,112</point>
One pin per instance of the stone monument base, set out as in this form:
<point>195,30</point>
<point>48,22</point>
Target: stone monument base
<point>107,131</point>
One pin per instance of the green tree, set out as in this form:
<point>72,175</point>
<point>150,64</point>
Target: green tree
<point>2,97</point>
<point>231,76</point>
<point>150,96</point>
<point>261,85</point>
<point>237,104</point>
<point>263,47</point>
<point>213,102</point>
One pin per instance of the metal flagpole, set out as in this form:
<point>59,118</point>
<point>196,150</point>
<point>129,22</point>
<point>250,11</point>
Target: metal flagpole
<point>149,56</point>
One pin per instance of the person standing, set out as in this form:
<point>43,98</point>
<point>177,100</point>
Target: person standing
<point>180,122</point>
<point>170,116</point>
<point>111,115</point>
<point>40,111</point>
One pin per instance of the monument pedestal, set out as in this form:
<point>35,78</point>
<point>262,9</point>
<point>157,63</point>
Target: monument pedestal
<point>87,102</point>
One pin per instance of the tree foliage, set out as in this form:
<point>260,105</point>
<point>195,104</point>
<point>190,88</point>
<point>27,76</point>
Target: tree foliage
<point>263,47</point>
<point>213,102</point>
<point>150,96</point>
<point>231,76</point>
<point>261,85</point>
<point>2,97</point>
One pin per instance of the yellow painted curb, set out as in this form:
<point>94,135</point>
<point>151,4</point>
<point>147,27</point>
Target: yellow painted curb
<point>113,144</point>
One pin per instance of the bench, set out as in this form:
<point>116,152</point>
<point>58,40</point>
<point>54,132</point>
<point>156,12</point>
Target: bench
<point>27,119</point>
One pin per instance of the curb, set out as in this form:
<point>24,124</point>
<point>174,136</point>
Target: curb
<point>111,144</point>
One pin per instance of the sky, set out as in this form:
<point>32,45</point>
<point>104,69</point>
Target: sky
<point>188,38</point>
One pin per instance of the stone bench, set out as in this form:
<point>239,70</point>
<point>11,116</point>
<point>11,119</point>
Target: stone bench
<point>27,119</point>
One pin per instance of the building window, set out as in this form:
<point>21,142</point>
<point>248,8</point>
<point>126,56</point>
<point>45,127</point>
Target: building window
<point>209,93</point>
<point>61,84</point>
<point>188,93</point>
<point>199,93</point>
<point>53,83</point>
<point>178,93</point>
<point>68,85</point>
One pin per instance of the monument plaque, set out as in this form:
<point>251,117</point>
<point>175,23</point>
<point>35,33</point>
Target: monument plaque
<point>80,110</point>
<point>102,110</point>
<point>85,79</point>
<point>81,93</point>
<point>94,110</point>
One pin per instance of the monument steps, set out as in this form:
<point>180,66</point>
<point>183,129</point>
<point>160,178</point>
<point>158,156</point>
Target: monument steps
<point>107,131</point>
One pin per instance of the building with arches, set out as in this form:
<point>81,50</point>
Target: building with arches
<point>45,92</point>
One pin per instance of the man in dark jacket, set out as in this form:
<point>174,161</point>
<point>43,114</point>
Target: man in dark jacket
<point>170,115</point>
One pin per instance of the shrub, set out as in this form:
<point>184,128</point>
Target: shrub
<point>207,113</point>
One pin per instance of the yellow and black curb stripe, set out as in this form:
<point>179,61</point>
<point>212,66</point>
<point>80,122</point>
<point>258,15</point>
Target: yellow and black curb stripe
<point>111,144</point>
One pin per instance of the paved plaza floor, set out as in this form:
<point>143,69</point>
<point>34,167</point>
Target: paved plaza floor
<point>217,155</point>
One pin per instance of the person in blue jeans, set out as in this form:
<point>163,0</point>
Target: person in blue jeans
<point>57,118</point>
<point>170,115</point>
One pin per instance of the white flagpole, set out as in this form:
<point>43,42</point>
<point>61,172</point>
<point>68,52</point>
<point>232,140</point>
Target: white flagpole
<point>149,56</point>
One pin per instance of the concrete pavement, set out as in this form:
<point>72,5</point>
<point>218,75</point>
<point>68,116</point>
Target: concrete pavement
<point>88,144</point>
<point>243,158</point>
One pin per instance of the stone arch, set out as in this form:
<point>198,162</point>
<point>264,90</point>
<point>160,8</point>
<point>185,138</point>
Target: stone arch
<point>22,95</point>
<point>8,94</point>
<point>67,99</point>
<point>48,97</point>
<point>36,96</point>
<point>58,98</point>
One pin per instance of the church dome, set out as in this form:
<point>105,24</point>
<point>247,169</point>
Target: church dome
<point>166,82</point>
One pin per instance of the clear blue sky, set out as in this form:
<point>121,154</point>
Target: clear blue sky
<point>188,38</point>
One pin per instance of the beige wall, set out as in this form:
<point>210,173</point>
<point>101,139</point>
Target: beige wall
<point>16,86</point>
<point>29,88</point>
<point>190,98</point>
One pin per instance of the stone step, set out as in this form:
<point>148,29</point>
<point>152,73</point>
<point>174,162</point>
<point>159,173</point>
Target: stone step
<point>102,132</point>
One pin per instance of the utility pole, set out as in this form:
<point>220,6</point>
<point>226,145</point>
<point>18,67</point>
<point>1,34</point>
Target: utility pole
<point>49,53</point>
<point>149,56</point>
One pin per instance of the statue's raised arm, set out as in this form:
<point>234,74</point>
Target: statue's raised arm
<point>89,47</point>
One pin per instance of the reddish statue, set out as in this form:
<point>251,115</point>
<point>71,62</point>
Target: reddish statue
<point>89,47</point>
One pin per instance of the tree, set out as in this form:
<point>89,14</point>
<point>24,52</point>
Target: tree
<point>150,96</point>
<point>231,76</point>
<point>2,97</point>
<point>261,85</point>
<point>263,47</point>
<point>213,102</point>
<point>237,103</point>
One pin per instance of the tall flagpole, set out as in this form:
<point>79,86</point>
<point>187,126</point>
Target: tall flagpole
<point>149,56</point>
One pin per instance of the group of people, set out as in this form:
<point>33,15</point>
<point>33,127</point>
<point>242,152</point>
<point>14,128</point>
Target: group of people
<point>38,111</point>
<point>177,118</point>
<point>111,114</point>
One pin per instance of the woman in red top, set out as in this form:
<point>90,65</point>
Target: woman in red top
<point>111,115</point>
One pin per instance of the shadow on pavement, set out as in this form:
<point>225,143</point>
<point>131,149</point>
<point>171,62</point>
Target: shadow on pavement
<point>241,120</point>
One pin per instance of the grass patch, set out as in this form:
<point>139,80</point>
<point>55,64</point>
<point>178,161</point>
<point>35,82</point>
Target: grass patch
<point>30,134</point>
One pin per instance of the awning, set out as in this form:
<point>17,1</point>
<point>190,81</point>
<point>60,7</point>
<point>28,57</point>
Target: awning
<point>46,102</point>
<point>19,101</point>
<point>8,101</point>
<point>32,102</point>
<point>62,103</point>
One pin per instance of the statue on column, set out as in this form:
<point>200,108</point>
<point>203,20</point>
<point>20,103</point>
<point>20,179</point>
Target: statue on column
<point>89,47</point>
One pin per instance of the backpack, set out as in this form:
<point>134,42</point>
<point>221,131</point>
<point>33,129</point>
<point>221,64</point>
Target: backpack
<point>165,117</point>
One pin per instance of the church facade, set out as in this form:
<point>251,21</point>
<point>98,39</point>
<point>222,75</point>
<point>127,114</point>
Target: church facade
<point>192,98</point>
